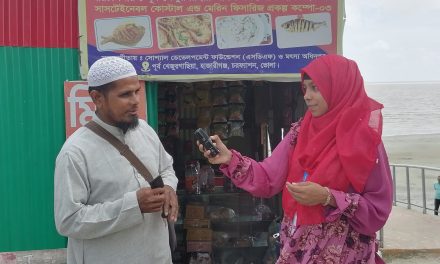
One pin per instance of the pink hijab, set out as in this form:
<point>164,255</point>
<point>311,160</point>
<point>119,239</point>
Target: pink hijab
<point>339,148</point>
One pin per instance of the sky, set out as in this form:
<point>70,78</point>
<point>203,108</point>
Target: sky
<point>394,40</point>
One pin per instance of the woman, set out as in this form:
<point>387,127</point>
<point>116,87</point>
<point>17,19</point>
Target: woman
<point>332,168</point>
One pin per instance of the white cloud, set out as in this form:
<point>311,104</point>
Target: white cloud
<point>380,45</point>
<point>394,40</point>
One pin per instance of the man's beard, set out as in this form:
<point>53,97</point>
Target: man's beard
<point>125,126</point>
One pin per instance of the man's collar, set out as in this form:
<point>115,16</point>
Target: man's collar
<point>116,131</point>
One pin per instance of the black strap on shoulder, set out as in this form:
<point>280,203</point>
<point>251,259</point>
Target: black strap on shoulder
<point>127,153</point>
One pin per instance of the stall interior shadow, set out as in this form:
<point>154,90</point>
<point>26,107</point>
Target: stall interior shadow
<point>243,113</point>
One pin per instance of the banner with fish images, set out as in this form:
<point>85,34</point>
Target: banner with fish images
<point>211,39</point>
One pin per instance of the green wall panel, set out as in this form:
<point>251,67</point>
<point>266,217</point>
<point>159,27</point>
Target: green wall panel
<point>32,132</point>
<point>151,94</point>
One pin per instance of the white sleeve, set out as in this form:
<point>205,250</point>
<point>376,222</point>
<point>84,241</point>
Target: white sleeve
<point>165,168</point>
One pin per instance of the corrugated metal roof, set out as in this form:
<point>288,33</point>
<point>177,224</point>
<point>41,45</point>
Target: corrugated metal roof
<point>39,23</point>
<point>32,130</point>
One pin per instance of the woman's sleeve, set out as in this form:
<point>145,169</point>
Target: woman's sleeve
<point>367,212</point>
<point>266,178</point>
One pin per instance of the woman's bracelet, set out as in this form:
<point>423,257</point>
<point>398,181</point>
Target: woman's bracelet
<point>329,197</point>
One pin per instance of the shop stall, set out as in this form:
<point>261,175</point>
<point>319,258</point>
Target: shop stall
<point>231,68</point>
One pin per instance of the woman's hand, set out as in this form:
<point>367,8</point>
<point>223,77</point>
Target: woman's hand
<point>223,157</point>
<point>307,193</point>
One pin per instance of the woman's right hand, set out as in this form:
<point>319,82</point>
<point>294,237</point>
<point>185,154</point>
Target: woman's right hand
<point>223,157</point>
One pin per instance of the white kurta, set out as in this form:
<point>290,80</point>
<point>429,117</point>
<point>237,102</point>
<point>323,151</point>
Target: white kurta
<point>95,198</point>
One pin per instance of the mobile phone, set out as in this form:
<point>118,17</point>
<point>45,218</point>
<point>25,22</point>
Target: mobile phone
<point>204,139</point>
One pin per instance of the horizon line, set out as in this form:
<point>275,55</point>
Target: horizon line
<point>403,82</point>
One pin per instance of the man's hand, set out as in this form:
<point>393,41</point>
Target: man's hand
<point>151,200</point>
<point>307,193</point>
<point>171,205</point>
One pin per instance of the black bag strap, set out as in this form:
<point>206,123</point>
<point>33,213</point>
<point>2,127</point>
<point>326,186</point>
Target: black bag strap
<point>125,151</point>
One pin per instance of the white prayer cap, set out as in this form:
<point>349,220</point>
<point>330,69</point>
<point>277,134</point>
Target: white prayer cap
<point>109,69</point>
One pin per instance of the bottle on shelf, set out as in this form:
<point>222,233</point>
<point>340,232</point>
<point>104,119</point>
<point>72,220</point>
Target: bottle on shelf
<point>192,177</point>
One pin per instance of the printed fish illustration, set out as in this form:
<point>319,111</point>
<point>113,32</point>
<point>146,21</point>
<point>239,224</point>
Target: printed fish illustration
<point>126,34</point>
<point>302,25</point>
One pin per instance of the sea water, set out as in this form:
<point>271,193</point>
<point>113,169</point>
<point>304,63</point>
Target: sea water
<point>409,108</point>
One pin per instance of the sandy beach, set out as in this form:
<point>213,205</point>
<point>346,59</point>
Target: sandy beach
<point>414,149</point>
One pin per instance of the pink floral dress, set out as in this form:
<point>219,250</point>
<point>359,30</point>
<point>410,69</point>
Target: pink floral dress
<point>349,233</point>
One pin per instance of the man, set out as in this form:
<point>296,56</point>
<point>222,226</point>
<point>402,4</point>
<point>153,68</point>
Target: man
<point>102,204</point>
<point>437,196</point>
